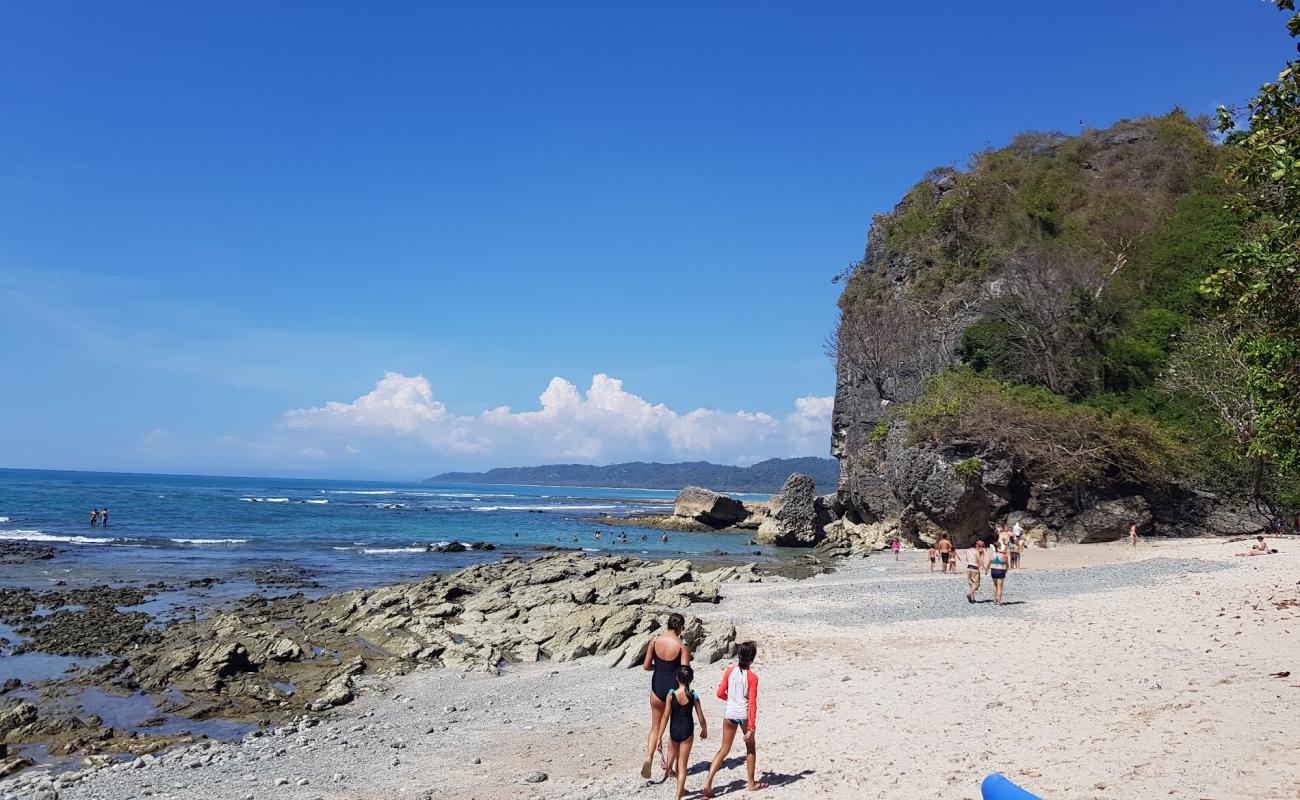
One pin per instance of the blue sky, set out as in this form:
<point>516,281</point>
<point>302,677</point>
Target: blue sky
<point>215,220</point>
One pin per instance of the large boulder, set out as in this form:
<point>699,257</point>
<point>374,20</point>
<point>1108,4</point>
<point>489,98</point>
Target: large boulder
<point>1108,521</point>
<point>1236,522</point>
<point>16,716</point>
<point>708,507</point>
<point>792,518</point>
<point>861,536</point>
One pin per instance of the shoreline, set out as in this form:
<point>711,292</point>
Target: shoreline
<point>1102,662</point>
<point>1083,570</point>
<point>289,652</point>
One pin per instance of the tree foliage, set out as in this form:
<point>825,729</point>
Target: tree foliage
<point>1059,442</point>
<point>1258,287</point>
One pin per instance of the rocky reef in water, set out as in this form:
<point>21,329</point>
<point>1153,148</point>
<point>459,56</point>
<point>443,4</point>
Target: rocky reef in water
<point>796,516</point>
<point>271,659</point>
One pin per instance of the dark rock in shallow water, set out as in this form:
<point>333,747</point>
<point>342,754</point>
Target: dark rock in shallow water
<point>284,575</point>
<point>83,622</point>
<point>90,631</point>
<point>24,552</point>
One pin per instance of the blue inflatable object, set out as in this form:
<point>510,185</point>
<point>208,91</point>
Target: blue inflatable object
<point>997,787</point>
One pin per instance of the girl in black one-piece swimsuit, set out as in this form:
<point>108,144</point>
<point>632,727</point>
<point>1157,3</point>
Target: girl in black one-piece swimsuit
<point>681,727</point>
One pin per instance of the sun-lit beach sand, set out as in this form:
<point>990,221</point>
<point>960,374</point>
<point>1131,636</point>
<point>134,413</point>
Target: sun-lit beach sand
<point>1110,673</point>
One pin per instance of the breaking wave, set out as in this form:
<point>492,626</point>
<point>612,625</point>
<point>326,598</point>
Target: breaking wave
<point>41,536</point>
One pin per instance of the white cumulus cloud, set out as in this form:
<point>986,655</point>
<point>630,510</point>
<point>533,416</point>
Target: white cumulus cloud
<point>605,423</point>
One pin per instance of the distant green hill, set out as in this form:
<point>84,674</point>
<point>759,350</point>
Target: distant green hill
<point>765,477</point>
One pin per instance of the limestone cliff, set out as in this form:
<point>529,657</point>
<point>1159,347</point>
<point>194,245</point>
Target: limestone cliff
<point>1041,268</point>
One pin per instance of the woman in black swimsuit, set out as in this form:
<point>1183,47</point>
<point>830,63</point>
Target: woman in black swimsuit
<point>665,653</point>
<point>681,727</point>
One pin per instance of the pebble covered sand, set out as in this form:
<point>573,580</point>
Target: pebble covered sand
<point>1109,674</point>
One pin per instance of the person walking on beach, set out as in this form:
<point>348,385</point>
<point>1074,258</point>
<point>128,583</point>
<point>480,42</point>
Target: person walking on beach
<point>94,518</point>
<point>1016,549</point>
<point>739,688</point>
<point>945,554</point>
<point>1133,535</point>
<point>973,569</point>
<point>681,727</point>
<point>897,547</point>
<point>934,556</point>
<point>665,653</point>
<point>998,567</point>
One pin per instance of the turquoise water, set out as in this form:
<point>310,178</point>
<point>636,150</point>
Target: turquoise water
<point>338,534</point>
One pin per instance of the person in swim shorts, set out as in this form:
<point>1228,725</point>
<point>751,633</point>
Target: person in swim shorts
<point>739,688</point>
<point>934,556</point>
<point>945,553</point>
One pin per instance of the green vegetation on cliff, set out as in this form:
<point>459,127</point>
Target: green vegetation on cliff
<point>1258,286</point>
<point>1125,303</point>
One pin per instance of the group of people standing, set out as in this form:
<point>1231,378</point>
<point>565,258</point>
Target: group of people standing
<point>674,708</point>
<point>994,560</point>
<point>99,517</point>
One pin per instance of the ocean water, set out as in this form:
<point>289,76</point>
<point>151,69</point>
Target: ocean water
<point>339,534</point>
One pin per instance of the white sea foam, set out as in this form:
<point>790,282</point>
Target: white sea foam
<point>265,499</point>
<point>41,536</point>
<point>384,550</point>
<point>3,520</point>
<point>209,541</point>
<point>369,491</point>
<point>546,508</point>
<point>316,502</point>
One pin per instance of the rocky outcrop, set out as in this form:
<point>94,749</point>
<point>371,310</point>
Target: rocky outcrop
<point>938,261</point>
<point>12,552</point>
<point>792,520</point>
<point>861,537</point>
<point>708,507</point>
<point>1108,521</point>
<point>269,659</point>
<point>698,510</point>
<point>265,653</point>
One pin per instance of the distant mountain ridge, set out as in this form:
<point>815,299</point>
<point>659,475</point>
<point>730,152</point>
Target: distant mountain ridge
<point>765,477</point>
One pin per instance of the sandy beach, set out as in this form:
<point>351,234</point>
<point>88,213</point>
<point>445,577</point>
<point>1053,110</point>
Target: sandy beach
<point>1109,673</point>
